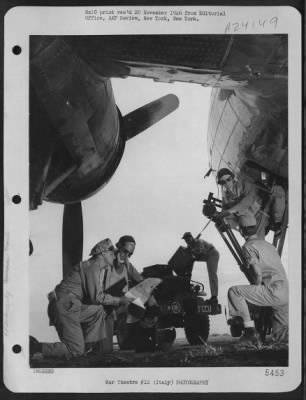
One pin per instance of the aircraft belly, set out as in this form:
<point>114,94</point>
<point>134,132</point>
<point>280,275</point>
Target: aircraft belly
<point>247,126</point>
<point>209,60</point>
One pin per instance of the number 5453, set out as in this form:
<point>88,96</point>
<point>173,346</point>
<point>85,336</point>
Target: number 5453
<point>274,372</point>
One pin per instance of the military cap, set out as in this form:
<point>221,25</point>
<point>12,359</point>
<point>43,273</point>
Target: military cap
<point>222,172</point>
<point>186,235</point>
<point>101,247</point>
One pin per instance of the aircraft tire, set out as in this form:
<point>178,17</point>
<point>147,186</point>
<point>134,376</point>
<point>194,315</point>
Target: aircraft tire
<point>263,323</point>
<point>196,328</point>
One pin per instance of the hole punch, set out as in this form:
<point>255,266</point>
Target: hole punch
<point>16,50</point>
<point>16,199</point>
<point>16,348</point>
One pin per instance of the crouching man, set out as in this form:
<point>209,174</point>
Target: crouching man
<point>81,309</point>
<point>268,288</point>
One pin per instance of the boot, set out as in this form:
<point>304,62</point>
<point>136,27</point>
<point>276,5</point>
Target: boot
<point>250,338</point>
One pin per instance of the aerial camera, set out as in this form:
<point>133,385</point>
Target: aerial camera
<point>210,206</point>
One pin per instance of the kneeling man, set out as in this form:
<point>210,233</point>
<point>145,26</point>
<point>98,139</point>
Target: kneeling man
<point>268,288</point>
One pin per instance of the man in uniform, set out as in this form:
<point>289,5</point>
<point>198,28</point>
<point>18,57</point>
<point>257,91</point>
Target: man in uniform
<point>241,203</point>
<point>80,307</point>
<point>268,288</point>
<point>125,249</point>
<point>204,251</point>
<point>141,330</point>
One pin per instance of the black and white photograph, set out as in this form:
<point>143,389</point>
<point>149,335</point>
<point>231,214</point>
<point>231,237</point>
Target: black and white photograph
<point>155,200</point>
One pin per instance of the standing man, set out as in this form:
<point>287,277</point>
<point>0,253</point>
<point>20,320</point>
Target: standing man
<point>241,204</point>
<point>78,307</point>
<point>268,288</point>
<point>204,251</point>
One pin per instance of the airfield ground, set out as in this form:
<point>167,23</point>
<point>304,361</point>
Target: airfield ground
<point>220,351</point>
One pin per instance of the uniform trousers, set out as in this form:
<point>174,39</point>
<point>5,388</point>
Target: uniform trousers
<point>80,327</point>
<point>273,295</point>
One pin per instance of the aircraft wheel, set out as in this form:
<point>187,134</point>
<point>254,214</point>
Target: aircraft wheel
<point>196,328</point>
<point>263,323</point>
<point>262,316</point>
<point>124,338</point>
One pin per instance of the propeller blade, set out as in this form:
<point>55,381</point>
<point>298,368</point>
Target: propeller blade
<point>72,236</point>
<point>141,119</point>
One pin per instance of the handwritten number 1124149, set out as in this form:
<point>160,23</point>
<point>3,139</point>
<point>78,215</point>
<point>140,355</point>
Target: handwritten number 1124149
<point>249,26</point>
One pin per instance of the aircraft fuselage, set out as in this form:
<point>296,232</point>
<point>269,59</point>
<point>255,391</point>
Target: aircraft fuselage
<point>248,128</point>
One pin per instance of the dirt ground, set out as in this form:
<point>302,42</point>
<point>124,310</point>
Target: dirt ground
<point>219,351</point>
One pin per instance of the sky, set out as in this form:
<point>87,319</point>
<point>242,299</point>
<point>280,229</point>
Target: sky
<point>155,195</point>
